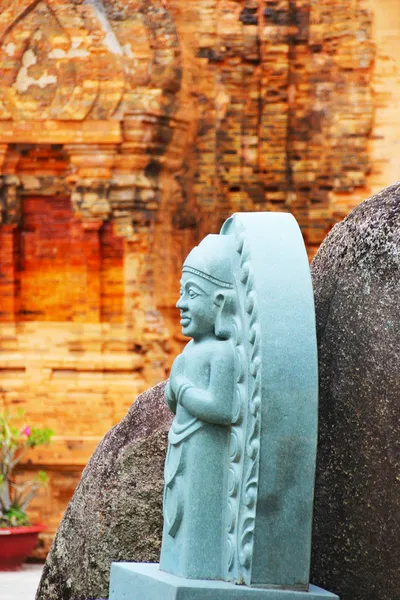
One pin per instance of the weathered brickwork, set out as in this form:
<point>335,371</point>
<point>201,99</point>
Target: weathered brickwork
<point>128,130</point>
<point>287,125</point>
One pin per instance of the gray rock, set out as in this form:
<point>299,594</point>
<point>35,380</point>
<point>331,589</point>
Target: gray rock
<point>356,276</point>
<point>116,511</point>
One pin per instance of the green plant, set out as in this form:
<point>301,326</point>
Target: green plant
<point>15,441</point>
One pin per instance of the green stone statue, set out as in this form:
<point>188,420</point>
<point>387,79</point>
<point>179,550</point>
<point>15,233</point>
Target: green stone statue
<point>200,393</point>
<point>239,472</point>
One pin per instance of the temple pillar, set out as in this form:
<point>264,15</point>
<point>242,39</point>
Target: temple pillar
<point>92,167</point>
<point>9,235</point>
<point>144,323</point>
<point>9,279</point>
<point>92,259</point>
<point>90,180</point>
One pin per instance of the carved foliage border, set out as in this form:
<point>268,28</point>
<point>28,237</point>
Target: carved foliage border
<point>245,437</point>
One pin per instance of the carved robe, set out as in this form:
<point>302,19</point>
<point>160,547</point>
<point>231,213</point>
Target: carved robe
<point>195,498</point>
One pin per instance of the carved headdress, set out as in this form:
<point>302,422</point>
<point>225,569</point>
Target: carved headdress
<point>212,260</point>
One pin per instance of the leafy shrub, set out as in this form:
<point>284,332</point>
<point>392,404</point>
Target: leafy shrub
<point>15,441</point>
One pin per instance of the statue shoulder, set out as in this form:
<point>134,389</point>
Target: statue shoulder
<point>221,350</point>
<point>187,348</point>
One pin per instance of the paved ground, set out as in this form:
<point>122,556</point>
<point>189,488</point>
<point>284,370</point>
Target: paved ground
<point>20,585</point>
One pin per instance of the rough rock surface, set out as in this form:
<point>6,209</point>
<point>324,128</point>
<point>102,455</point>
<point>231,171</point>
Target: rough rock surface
<point>116,511</point>
<point>356,274</point>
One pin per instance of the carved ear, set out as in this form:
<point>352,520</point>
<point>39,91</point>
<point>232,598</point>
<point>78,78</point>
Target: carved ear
<point>225,301</point>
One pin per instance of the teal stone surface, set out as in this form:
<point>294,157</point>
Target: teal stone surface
<point>275,549</point>
<point>239,472</point>
<point>201,394</point>
<point>144,581</point>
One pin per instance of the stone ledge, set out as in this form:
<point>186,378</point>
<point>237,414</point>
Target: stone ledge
<point>144,581</point>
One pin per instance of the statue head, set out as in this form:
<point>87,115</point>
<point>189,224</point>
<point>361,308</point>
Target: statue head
<point>207,300</point>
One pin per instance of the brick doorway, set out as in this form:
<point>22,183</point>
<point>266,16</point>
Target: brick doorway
<point>50,260</point>
<point>67,271</point>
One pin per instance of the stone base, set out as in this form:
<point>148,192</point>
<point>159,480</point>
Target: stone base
<point>144,581</point>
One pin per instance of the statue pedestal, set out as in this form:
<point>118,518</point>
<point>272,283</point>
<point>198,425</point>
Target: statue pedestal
<point>144,581</point>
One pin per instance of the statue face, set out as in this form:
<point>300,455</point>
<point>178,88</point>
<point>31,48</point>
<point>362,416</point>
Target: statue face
<point>197,307</point>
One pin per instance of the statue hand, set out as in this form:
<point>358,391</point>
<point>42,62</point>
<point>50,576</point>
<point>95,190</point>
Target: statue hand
<point>180,381</point>
<point>182,384</point>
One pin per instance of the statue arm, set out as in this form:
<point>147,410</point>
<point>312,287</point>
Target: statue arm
<point>170,397</point>
<point>176,372</point>
<point>213,405</point>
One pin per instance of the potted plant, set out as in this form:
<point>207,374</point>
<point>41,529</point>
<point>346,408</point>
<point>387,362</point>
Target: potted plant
<point>17,534</point>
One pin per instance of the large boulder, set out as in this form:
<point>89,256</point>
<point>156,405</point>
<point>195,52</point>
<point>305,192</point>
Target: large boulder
<point>356,275</point>
<point>116,511</point>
